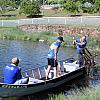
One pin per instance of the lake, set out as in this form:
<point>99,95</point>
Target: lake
<point>32,55</point>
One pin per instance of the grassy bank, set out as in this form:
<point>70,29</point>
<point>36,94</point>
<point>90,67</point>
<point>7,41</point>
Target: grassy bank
<point>13,33</point>
<point>83,94</point>
<point>17,34</point>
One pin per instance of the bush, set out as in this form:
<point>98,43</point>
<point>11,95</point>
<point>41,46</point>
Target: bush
<point>29,7</point>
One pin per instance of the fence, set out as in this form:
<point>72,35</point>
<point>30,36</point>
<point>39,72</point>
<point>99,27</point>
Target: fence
<point>71,21</point>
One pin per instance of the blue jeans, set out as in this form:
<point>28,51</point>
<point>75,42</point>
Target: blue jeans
<point>81,57</point>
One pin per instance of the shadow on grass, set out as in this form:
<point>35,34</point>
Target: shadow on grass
<point>75,15</point>
<point>34,16</point>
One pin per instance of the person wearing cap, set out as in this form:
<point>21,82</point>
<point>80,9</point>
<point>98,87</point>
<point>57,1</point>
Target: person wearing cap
<point>52,56</point>
<point>80,45</point>
<point>12,73</point>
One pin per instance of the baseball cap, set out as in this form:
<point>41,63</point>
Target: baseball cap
<point>60,38</point>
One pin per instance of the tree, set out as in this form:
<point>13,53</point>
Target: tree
<point>87,7</point>
<point>5,4</point>
<point>97,5</point>
<point>29,7</point>
<point>78,6</point>
<point>18,2</point>
<point>68,5</point>
<point>72,6</point>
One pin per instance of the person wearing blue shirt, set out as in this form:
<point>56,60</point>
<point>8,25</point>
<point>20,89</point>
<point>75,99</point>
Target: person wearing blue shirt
<point>12,73</point>
<point>81,44</point>
<point>52,56</point>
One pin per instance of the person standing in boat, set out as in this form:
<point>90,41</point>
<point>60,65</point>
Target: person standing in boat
<point>12,73</point>
<point>52,56</point>
<point>80,45</point>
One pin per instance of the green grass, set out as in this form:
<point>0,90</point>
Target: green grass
<point>54,13</point>
<point>14,33</point>
<point>46,13</point>
<point>57,97</point>
<point>15,13</point>
<point>17,34</point>
<point>93,43</point>
<point>83,94</point>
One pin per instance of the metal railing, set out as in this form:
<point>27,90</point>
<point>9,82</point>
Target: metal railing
<point>71,21</point>
<point>89,62</point>
<point>36,73</point>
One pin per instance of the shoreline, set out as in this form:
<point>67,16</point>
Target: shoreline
<point>49,37</point>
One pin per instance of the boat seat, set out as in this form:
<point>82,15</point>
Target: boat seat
<point>34,81</point>
<point>36,73</point>
<point>69,67</point>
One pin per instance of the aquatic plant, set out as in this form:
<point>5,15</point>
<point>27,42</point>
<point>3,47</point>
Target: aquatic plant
<point>83,94</point>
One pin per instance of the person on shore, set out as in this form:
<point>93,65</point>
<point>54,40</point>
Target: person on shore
<point>12,73</point>
<point>80,45</point>
<point>52,56</point>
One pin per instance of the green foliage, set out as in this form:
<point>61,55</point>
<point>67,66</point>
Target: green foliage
<point>17,2</point>
<point>69,6</point>
<point>85,6</point>
<point>13,33</point>
<point>6,5</point>
<point>80,94</point>
<point>73,7</point>
<point>29,7</point>
<point>97,5</point>
<point>78,6</point>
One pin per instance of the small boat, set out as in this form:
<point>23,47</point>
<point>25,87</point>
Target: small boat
<point>69,70</point>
